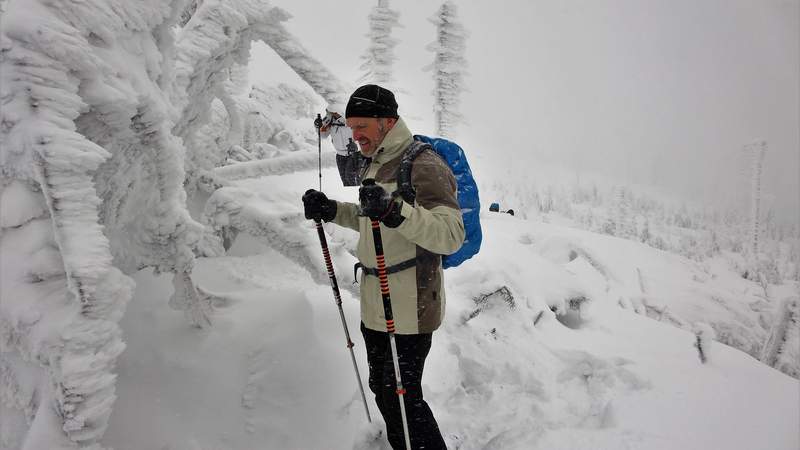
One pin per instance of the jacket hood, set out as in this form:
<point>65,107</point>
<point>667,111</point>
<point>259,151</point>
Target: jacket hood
<point>394,143</point>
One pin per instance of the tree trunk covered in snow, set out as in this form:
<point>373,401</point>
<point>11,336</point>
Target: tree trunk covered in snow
<point>449,68</point>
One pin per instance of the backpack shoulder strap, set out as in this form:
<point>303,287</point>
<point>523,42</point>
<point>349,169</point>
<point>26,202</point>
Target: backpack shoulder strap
<point>404,187</point>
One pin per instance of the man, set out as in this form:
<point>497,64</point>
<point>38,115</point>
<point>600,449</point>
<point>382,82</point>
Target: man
<point>348,160</point>
<point>414,238</point>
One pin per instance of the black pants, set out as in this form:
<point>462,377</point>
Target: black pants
<point>350,168</point>
<point>412,351</point>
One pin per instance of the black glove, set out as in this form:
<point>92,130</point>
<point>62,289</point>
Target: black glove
<point>317,206</point>
<point>377,204</point>
<point>318,121</point>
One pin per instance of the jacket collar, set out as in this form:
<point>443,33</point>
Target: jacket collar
<point>394,144</point>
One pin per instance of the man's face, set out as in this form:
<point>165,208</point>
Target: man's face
<point>369,132</point>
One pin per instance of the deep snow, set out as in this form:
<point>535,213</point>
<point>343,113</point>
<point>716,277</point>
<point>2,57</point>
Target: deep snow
<point>273,370</point>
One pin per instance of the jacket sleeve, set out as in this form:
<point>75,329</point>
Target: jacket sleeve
<point>435,222</point>
<point>346,215</point>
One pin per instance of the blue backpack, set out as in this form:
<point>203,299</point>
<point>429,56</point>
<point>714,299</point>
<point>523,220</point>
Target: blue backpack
<point>468,199</point>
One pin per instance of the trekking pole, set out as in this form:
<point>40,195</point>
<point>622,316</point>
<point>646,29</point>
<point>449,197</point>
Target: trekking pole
<point>387,309</point>
<point>337,296</point>
<point>318,124</point>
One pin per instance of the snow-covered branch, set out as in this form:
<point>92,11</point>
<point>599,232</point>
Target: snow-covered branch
<point>281,165</point>
<point>276,219</point>
<point>308,68</point>
<point>219,36</point>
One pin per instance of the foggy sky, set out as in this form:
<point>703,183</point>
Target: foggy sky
<point>657,92</point>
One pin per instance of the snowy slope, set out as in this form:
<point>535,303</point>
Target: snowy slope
<point>273,371</point>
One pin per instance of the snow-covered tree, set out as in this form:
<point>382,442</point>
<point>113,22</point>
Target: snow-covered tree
<point>449,67</point>
<point>756,153</point>
<point>644,234</point>
<point>101,102</point>
<point>622,213</point>
<point>379,57</point>
<point>619,220</point>
<point>65,101</point>
<point>782,348</point>
<point>713,243</point>
<point>704,337</point>
<point>794,260</point>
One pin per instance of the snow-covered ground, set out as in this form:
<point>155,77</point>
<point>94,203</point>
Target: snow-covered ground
<point>273,371</point>
<point>555,338</point>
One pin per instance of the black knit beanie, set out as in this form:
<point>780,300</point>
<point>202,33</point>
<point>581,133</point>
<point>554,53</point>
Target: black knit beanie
<point>371,100</point>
